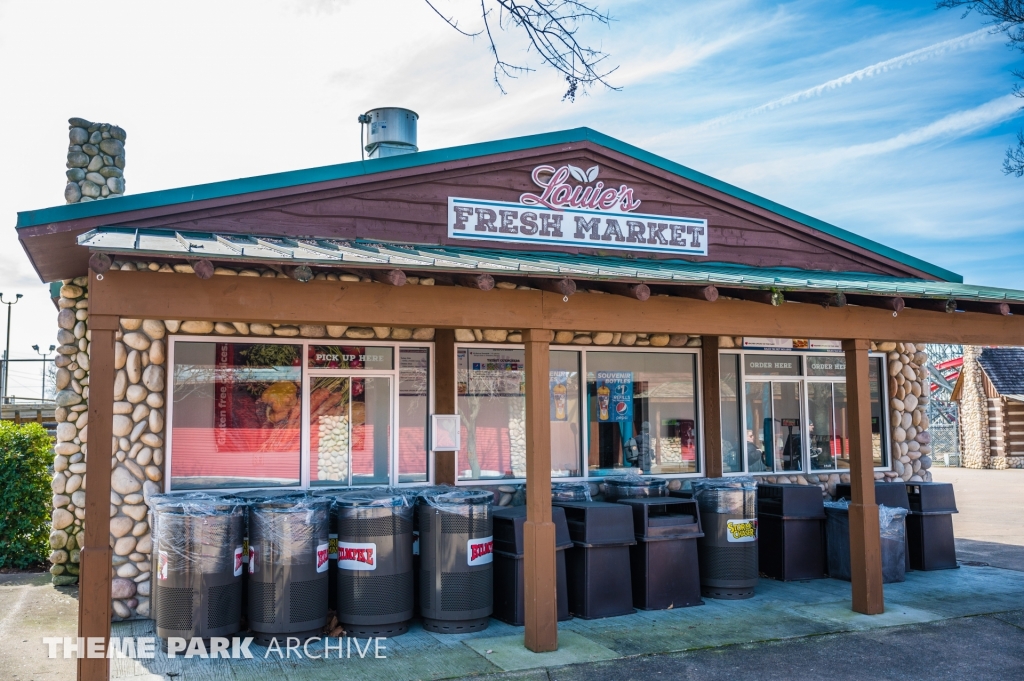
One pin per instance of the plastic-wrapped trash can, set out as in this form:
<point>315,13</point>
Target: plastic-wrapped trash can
<point>663,563</point>
<point>930,526</point>
<point>288,561</point>
<point>597,566</point>
<point>891,494</point>
<point>456,559</point>
<point>509,571</point>
<point>197,571</point>
<point>633,486</point>
<point>791,531</point>
<point>892,527</point>
<point>374,562</point>
<point>728,549</point>
<point>570,491</point>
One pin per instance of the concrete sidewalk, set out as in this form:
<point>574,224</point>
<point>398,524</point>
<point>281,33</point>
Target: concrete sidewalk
<point>780,611</point>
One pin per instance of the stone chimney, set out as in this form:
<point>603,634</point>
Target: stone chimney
<point>95,161</point>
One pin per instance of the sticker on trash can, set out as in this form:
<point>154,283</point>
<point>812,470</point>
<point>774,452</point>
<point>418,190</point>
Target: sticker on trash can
<point>415,542</point>
<point>245,549</point>
<point>252,560</point>
<point>353,556</point>
<point>332,546</point>
<point>161,570</point>
<point>322,557</point>
<point>741,530</point>
<point>480,551</point>
<point>238,561</point>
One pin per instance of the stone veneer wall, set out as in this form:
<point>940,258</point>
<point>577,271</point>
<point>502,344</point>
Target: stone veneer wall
<point>140,387</point>
<point>95,161</point>
<point>974,425</point>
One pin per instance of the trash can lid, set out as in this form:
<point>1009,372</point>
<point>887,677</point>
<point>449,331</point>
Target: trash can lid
<point>570,491</point>
<point>634,480</point>
<point>449,498</point>
<point>743,482</point>
<point>380,497</point>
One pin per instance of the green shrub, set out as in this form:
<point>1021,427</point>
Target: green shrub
<point>24,494</point>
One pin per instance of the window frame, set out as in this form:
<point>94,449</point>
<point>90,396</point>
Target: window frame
<point>306,375</point>
<point>804,378</point>
<point>583,351</point>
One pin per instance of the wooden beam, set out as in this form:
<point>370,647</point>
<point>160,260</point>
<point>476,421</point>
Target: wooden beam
<point>944,305</point>
<point>707,293</point>
<point>392,277</point>
<point>639,292</point>
<point>893,303</point>
<point>94,608</point>
<point>100,262</point>
<point>157,295</point>
<point>865,539</point>
<point>484,282</point>
<point>825,299</point>
<point>539,530</point>
<point>203,268</point>
<point>711,391</point>
<point>1002,309</point>
<point>564,287</point>
<point>444,398</point>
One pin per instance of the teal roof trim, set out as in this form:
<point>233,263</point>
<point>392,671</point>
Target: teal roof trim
<point>125,243</point>
<point>214,190</point>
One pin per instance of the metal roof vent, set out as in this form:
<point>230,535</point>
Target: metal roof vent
<point>392,131</point>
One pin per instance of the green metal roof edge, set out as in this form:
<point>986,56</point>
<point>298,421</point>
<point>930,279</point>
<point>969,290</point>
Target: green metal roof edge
<point>214,190</point>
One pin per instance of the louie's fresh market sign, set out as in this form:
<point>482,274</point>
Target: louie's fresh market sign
<point>574,208</point>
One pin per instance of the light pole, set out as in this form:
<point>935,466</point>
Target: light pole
<point>42,391</point>
<point>7,352</point>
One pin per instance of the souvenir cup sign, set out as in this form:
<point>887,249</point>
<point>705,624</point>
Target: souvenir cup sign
<point>238,561</point>
<point>740,531</point>
<point>573,208</point>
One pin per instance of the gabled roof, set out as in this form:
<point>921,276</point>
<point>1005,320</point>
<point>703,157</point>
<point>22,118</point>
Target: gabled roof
<point>1005,368</point>
<point>215,190</point>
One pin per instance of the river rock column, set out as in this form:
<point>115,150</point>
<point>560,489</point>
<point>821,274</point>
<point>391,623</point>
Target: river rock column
<point>974,413</point>
<point>95,161</point>
<point>72,417</point>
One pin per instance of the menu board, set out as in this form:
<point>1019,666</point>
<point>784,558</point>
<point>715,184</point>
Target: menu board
<point>492,372</point>
<point>790,344</point>
<point>559,385</point>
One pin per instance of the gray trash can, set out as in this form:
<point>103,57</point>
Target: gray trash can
<point>374,564</point>
<point>456,559</point>
<point>197,565</point>
<point>892,527</point>
<point>728,550</point>
<point>288,562</point>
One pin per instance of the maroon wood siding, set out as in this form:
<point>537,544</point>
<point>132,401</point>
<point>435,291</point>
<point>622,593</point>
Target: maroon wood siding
<point>411,206</point>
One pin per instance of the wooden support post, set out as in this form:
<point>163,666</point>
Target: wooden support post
<point>94,607</point>
<point>639,292</point>
<point>711,392</point>
<point>865,542</point>
<point>539,530</point>
<point>444,398</point>
<point>392,277</point>
<point>896,303</point>
<point>484,282</point>
<point>563,287</point>
<point>946,305</point>
<point>1002,309</point>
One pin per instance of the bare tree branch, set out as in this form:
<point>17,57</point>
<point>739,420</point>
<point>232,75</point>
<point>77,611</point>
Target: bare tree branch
<point>1006,16</point>
<point>450,21</point>
<point>551,27</point>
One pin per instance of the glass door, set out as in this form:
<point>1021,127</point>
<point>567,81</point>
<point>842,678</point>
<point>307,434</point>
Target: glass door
<point>350,430</point>
<point>773,426</point>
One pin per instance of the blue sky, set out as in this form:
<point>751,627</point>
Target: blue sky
<point>887,119</point>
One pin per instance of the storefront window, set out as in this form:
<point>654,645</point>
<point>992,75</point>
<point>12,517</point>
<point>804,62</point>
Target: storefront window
<point>413,412</point>
<point>492,407</point>
<point>236,415</point>
<point>642,412</point>
<point>789,399</point>
<point>729,389</point>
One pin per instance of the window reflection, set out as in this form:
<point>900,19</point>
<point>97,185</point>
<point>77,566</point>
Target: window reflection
<point>236,415</point>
